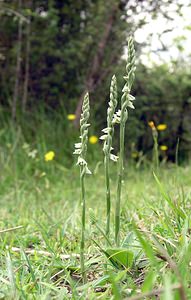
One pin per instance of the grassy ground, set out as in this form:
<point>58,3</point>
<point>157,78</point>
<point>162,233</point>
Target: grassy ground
<point>39,259</point>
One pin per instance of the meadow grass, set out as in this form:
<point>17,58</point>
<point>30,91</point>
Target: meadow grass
<point>41,259</point>
<point>53,242</point>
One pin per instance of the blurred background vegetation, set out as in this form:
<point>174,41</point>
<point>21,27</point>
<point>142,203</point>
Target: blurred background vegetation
<point>51,52</point>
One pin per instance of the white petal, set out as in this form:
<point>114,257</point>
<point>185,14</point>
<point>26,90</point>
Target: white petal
<point>103,137</point>
<point>125,89</point>
<point>130,104</point>
<point>78,145</point>
<point>131,98</point>
<point>77,151</point>
<point>106,130</point>
<point>118,113</point>
<point>81,161</point>
<point>88,171</point>
<point>113,157</point>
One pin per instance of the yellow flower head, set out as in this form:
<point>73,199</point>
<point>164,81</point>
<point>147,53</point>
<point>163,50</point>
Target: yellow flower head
<point>93,139</point>
<point>49,156</point>
<point>71,117</point>
<point>163,148</point>
<point>162,127</point>
<point>151,124</point>
<point>134,154</point>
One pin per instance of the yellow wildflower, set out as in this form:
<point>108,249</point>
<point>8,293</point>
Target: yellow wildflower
<point>93,139</point>
<point>49,156</point>
<point>151,124</point>
<point>71,117</point>
<point>134,154</point>
<point>162,127</point>
<point>163,147</point>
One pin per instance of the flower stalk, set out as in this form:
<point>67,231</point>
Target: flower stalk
<point>126,101</point>
<point>155,150</point>
<point>107,147</point>
<point>80,150</point>
<point>155,145</point>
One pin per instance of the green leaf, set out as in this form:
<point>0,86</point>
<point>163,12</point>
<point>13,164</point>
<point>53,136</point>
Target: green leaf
<point>146,246</point>
<point>121,258</point>
<point>168,295</point>
<point>149,282</point>
<point>101,281</point>
<point>176,210</point>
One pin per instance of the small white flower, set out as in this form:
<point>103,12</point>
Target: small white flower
<point>103,137</point>
<point>81,161</point>
<point>106,130</point>
<point>117,117</point>
<point>131,98</point>
<point>130,104</point>
<point>33,153</point>
<point>77,151</point>
<point>88,172</point>
<point>113,157</point>
<point>78,145</point>
<point>125,89</point>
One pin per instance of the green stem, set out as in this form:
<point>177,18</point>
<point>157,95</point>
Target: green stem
<point>82,244</point>
<point>104,235</point>
<point>156,154</point>
<point>119,183</point>
<point>176,151</point>
<point>108,199</point>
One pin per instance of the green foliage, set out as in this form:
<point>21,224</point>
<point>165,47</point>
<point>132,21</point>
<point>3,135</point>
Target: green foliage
<point>120,258</point>
<point>164,97</point>
<point>38,207</point>
<point>42,261</point>
<point>64,40</point>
